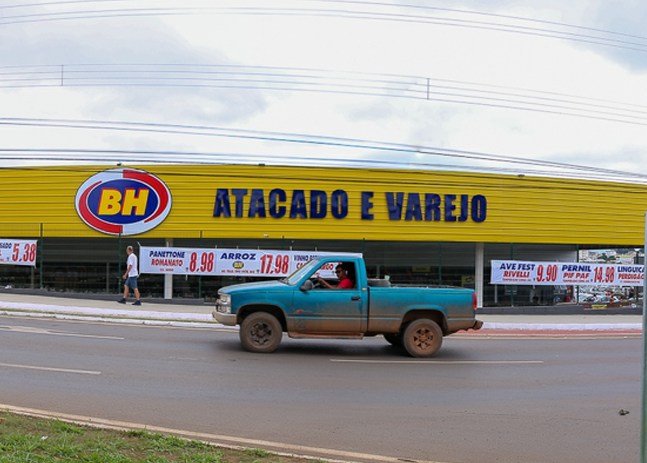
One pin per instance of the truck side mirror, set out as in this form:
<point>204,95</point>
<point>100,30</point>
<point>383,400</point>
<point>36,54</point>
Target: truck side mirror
<point>307,286</point>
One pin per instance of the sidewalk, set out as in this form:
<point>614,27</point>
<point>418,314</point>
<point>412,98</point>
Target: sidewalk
<point>199,314</point>
<point>105,310</point>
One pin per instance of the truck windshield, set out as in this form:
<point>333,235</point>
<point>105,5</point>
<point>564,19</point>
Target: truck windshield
<point>298,274</point>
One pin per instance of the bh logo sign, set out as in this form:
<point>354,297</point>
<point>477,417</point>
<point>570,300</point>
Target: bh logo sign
<point>123,201</point>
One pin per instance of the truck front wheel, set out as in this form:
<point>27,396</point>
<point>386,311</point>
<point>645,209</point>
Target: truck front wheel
<point>422,338</point>
<point>260,332</point>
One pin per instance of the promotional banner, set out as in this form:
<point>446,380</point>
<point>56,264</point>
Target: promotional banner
<point>514,272</point>
<point>18,252</point>
<point>232,262</point>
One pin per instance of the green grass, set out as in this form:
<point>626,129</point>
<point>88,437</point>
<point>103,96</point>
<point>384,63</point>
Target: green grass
<point>25,439</point>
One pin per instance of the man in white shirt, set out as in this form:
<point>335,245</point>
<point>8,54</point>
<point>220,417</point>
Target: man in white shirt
<point>131,277</point>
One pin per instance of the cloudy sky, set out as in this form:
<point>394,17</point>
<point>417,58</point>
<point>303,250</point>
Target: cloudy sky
<point>521,86</point>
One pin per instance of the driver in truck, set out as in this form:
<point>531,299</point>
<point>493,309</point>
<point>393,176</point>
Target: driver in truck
<point>345,281</point>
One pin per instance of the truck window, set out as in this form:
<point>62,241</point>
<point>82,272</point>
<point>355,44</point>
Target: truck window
<point>299,273</point>
<point>339,275</point>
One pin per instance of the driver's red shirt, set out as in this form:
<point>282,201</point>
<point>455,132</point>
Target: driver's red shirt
<point>346,283</point>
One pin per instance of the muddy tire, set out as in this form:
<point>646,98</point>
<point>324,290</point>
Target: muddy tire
<point>260,332</point>
<point>422,338</point>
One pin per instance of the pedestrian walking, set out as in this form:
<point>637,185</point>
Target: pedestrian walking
<point>131,277</point>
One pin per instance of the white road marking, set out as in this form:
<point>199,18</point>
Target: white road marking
<point>31,330</point>
<point>215,439</point>
<point>148,322</point>
<point>446,362</point>
<point>547,335</point>
<point>58,370</point>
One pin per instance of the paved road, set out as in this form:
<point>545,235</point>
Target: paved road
<point>172,313</point>
<point>480,400</point>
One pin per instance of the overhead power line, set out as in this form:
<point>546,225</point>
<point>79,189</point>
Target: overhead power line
<point>364,10</point>
<point>504,164</point>
<point>322,81</point>
<point>199,76</point>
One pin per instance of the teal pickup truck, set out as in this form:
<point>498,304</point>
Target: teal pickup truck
<point>302,306</point>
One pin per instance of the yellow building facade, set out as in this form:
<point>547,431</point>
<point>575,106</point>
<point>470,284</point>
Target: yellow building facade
<point>251,202</point>
<point>423,227</point>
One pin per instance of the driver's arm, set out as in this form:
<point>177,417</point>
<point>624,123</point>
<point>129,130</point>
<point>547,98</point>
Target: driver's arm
<point>324,282</point>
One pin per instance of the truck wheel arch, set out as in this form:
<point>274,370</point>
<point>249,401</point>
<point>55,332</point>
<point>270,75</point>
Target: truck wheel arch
<point>247,310</point>
<point>431,314</point>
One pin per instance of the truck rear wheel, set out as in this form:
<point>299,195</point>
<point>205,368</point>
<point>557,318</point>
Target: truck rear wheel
<point>422,338</point>
<point>260,332</point>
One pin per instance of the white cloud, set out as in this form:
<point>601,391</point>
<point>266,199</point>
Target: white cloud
<point>501,63</point>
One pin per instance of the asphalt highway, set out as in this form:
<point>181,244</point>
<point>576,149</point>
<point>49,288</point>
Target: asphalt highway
<point>507,399</point>
<point>171,313</point>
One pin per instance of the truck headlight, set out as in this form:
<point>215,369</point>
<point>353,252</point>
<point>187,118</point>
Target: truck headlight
<point>223,304</point>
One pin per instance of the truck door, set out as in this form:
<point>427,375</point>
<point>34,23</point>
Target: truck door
<point>330,311</point>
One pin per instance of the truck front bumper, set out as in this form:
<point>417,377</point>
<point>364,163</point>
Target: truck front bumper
<point>227,319</point>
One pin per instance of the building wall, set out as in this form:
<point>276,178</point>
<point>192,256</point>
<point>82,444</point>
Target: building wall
<point>500,209</point>
<point>96,265</point>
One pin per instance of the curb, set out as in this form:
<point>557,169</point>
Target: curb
<point>14,307</point>
<point>561,326</point>
<point>205,320</point>
<point>109,319</point>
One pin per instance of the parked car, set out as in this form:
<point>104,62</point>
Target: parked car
<point>607,302</point>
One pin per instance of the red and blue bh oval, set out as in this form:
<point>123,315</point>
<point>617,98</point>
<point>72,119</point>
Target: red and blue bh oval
<point>123,201</point>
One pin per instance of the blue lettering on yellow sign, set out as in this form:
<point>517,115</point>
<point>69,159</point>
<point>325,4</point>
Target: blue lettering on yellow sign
<point>298,206</point>
<point>412,206</point>
<point>318,207</point>
<point>431,207</point>
<point>277,196</point>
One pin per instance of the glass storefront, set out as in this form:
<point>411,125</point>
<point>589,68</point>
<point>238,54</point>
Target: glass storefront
<point>95,266</point>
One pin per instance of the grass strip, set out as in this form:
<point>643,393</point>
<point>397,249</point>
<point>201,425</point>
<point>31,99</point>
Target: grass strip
<point>26,439</point>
